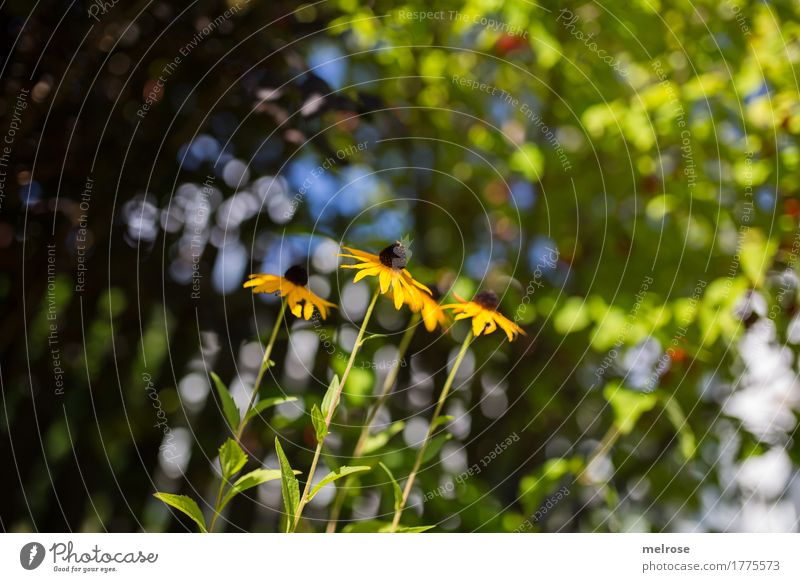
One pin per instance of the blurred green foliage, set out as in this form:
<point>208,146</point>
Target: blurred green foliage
<point>667,183</point>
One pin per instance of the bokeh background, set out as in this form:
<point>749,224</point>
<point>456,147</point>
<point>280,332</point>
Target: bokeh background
<point>624,174</point>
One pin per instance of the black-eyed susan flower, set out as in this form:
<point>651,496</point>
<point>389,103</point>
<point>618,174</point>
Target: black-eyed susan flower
<point>485,317</point>
<point>292,286</point>
<point>431,311</point>
<point>390,268</point>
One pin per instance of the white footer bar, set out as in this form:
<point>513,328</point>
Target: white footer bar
<point>401,557</point>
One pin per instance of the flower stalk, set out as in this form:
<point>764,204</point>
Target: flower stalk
<point>253,396</point>
<point>329,415</point>
<point>386,390</point>
<point>431,430</point>
<point>262,370</point>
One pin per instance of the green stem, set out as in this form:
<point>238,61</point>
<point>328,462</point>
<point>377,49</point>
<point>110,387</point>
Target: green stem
<point>220,491</point>
<point>329,416</point>
<point>388,383</point>
<point>243,420</point>
<point>261,371</point>
<point>431,429</point>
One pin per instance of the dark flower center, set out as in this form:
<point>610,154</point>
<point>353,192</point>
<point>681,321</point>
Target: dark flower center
<point>394,256</point>
<point>436,293</point>
<point>297,275</point>
<point>487,299</point>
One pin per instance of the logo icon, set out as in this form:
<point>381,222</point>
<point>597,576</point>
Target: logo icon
<point>31,555</point>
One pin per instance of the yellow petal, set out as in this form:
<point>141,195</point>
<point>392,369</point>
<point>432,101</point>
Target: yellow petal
<point>398,296</point>
<point>366,273</point>
<point>263,283</point>
<point>429,319</point>
<point>267,287</point>
<point>292,298</point>
<point>359,266</point>
<point>511,328</point>
<point>356,257</point>
<point>385,280</point>
<point>414,296</point>
<point>414,282</point>
<point>477,326</point>
<point>491,325</point>
<point>362,254</point>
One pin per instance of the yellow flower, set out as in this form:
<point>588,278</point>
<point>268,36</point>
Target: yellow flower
<point>292,286</point>
<point>390,268</point>
<point>485,317</point>
<point>432,312</point>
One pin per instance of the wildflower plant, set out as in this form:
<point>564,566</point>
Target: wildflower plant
<point>484,319</point>
<point>394,279</point>
<point>389,268</point>
<point>432,315</point>
<point>300,302</point>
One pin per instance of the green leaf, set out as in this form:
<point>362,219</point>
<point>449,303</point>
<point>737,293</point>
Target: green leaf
<point>290,488</point>
<point>378,440</point>
<point>373,336</point>
<point>186,505</point>
<point>360,381</point>
<point>686,440</point>
<point>376,526</point>
<point>412,529</point>
<point>231,458</point>
<point>328,402</point>
<point>262,405</point>
<point>333,476</point>
<point>628,406</point>
<point>398,493</point>
<point>444,419</point>
<point>248,481</point>
<point>319,423</point>
<point>436,445</point>
<point>228,405</point>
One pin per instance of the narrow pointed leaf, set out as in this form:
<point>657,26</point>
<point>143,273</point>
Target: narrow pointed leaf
<point>231,458</point>
<point>229,409</point>
<point>442,420</point>
<point>333,476</point>
<point>262,405</point>
<point>410,529</point>
<point>398,493</point>
<point>436,445</point>
<point>373,336</point>
<point>376,526</point>
<point>319,423</point>
<point>290,488</point>
<point>328,402</point>
<point>377,441</point>
<point>185,505</point>
<point>248,481</point>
